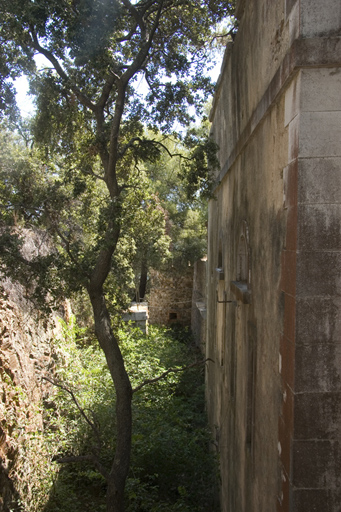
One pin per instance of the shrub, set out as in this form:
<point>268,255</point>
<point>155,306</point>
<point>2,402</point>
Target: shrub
<point>172,468</point>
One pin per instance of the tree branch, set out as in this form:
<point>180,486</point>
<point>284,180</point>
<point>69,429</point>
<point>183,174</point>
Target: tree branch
<point>132,141</point>
<point>167,372</point>
<point>129,35</point>
<point>103,263</point>
<point>136,14</point>
<point>129,145</point>
<point>112,78</point>
<point>122,84</point>
<point>170,153</point>
<point>94,457</point>
<point>62,237</point>
<point>230,34</point>
<point>81,410</point>
<point>40,49</point>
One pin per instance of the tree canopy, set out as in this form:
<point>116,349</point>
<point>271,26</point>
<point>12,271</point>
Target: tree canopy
<point>92,139</point>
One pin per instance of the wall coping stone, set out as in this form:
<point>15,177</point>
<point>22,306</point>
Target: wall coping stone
<point>304,53</point>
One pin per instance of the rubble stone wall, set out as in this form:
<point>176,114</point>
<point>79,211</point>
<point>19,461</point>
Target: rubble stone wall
<point>170,298</point>
<point>25,356</point>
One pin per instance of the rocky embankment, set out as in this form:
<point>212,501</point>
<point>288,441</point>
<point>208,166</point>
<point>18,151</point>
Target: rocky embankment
<point>25,356</point>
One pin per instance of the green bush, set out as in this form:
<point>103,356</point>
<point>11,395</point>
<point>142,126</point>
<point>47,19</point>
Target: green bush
<point>172,468</point>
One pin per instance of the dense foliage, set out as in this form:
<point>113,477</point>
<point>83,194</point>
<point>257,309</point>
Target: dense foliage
<point>172,468</point>
<point>186,213</point>
<point>36,196</point>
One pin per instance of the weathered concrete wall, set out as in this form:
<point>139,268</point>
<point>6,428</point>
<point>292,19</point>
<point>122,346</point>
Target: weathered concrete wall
<point>274,251</point>
<point>311,343</point>
<point>198,318</point>
<point>138,315</point>
<point>170,297</point>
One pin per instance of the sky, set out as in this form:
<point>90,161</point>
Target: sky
<point>25,101</point>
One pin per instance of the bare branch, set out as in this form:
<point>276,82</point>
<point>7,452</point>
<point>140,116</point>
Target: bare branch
<point>146,76</point>
<point>81,410</point>
<point>170,153</point>
<point>132,141</point>
<point>94,457</point>
<point>230,34</point>
<point>167,372</point>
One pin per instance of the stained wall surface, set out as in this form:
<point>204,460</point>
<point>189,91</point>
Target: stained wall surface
<point>199,310</point>
<point>273,270</point>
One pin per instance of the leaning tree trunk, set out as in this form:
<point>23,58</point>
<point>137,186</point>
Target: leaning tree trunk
<point>109,344</point>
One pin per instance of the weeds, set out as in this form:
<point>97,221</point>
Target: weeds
<point>172,468</point>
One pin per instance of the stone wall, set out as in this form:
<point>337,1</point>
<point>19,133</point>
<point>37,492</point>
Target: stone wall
<point>170,297</point>
<point>24,357</point>
<point>273,274</point>
<point>137,314</point>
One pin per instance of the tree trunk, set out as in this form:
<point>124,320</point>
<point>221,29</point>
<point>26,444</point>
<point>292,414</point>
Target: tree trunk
<point>109,344</point>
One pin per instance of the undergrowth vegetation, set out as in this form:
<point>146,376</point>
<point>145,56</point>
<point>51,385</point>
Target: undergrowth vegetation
<point>172,467</point>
